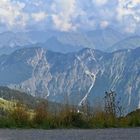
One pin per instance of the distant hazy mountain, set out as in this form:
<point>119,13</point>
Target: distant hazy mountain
<point>55,45</point>
<point>80,76</point>
<point>55,41</point>
<point>101,39</point>
<point>10,39</point>
<point>127,43</point>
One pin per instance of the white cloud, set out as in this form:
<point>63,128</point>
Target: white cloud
<point>62,25</point>
<point>11,13</point>
<point>37,3</point>
<point>128,14</point>
<point>131,28</point>
<point>39,16</point>
<point>63,14</point>
<point>68,15</point>
<point>123,10</point>
<point>133,3</point>
<point>99,2</point>
<point>104,24</point>
<point>127,7</point>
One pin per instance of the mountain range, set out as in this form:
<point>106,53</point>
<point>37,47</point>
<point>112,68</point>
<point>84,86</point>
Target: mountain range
<point>102,39</point>
<point>79,76</point>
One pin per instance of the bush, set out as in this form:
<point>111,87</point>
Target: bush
<point>134,120</point>
<point>20,115</point>
<point>41,114</point>
<point>98,120</point>
<point>6,122</point>
<point>68,117</point>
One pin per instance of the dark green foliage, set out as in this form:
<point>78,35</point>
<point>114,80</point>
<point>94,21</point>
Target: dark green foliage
<point>20,115</point>
<point>41,114</point>
<point>134,118</point>
<point>19,118</point>
<point>71,118</point>
<point>66,117</point>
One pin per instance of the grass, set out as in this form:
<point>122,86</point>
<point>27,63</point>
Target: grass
<point>17,115</point>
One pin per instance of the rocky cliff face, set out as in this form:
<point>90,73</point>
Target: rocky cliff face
<point>81,76</point>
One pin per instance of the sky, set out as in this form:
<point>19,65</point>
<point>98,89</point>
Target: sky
<point>69,15</point>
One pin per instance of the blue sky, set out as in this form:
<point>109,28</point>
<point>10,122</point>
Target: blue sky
<point>69,15</point>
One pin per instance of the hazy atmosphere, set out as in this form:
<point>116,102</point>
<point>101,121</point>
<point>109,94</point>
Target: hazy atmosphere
<point>70,69</point>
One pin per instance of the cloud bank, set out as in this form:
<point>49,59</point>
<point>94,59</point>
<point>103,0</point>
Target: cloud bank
<point>70,15</point>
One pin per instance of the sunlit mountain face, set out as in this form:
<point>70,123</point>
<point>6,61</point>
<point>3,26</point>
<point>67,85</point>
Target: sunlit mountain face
<point>80,76</point>
<point>71,48</point>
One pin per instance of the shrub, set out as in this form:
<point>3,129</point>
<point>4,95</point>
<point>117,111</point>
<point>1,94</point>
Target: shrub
<point>20,115</point>
<point>41,114</point>
<point>98,120</point>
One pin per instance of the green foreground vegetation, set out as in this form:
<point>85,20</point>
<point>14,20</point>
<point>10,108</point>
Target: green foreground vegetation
<point>16,114</point>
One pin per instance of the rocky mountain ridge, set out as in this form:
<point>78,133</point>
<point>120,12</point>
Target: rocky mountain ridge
<point>79,77</point>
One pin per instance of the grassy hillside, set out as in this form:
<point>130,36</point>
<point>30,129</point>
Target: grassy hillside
<point>6,105</point>
<point>9,95</point>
